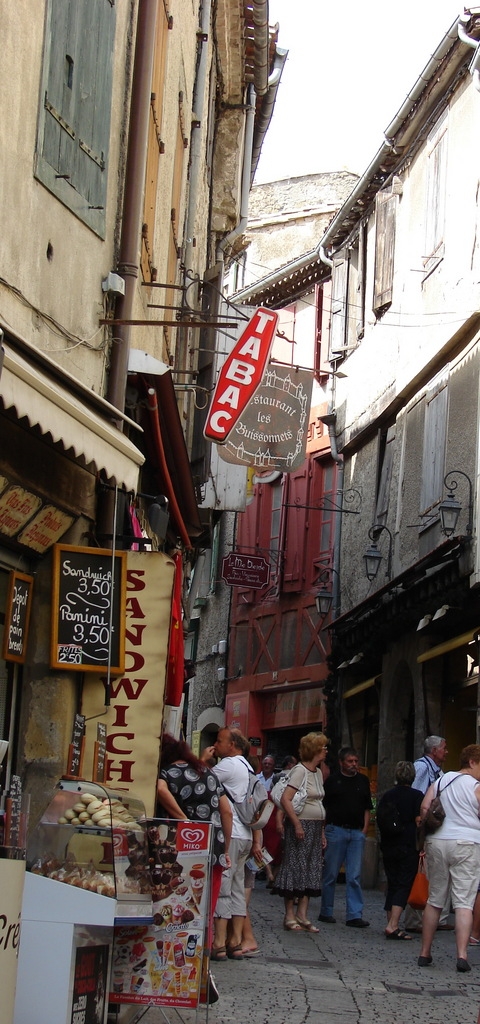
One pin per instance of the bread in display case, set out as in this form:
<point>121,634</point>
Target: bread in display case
<point>93,838</point>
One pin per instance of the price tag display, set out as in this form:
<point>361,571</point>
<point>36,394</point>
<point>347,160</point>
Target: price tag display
<point>88,609</point>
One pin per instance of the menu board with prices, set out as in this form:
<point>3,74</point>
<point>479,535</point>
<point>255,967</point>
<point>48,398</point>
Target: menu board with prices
<point>88,609</point>
<point>161,964</point>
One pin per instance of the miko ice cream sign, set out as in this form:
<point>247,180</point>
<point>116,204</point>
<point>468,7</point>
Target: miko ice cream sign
<point>241,375</point>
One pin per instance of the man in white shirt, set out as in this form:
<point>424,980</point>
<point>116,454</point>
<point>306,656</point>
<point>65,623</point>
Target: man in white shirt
<point>232,771</point>
<point>428,768</point>
<point>266,774</point>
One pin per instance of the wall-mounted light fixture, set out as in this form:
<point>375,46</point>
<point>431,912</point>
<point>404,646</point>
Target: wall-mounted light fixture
<point>425,621</point>
<point>373,556</point>
<point>449,509</point>
<point>440,612</point>
<point>324,596</point>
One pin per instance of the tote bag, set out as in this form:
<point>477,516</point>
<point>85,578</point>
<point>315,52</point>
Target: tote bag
<point>419,892</point>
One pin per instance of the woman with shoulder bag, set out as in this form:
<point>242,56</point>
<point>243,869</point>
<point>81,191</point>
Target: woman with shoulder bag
<point>300,873</point>
<point>453,854</point>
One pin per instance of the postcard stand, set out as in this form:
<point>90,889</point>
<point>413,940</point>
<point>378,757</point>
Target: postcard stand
<point>165,963</point>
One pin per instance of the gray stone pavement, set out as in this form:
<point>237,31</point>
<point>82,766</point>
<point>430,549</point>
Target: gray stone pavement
<point>340,975</point>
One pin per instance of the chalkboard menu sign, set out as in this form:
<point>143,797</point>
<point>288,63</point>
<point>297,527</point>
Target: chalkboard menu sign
<point>99,753</point>
<point>88,609</point>
<point>17,616</point>
<point>75,750</point>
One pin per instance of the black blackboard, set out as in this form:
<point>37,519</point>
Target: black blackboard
<point>88,609</point>
<point>17,616</point>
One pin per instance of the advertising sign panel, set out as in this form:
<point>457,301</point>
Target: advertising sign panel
<point>271,433</point>
<point>160,964</point>
<point>12,876</point>
<point>90,984</point>
<point>134,717</point>
<point>241,570</point>
<point>241,375</point>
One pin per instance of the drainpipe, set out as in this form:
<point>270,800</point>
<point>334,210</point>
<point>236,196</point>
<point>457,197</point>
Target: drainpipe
<point>196,137</point>
<point>330,420</point>
<point>128,260</point>
<point>245,186</point>
<point>260,43</point>
<point>464,38</point>
<point>266,111</point>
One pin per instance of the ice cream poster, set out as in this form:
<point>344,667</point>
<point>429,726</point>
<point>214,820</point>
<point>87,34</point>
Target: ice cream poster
<point>160,964</point>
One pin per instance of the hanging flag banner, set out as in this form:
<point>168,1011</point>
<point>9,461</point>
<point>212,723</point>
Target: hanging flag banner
<point>135,714</point>
<point>241,375</point>
<point>271,432</point>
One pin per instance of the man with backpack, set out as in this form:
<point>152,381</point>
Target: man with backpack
<point>233,771</point>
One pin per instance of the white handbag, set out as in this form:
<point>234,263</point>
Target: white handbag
<point>300,797</point>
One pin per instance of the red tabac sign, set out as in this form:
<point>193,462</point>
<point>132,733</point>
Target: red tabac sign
<point>239,570</point>
<point>241,375</point>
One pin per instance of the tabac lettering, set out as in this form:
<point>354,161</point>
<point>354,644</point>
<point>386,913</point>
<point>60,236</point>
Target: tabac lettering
<point>244,367</point>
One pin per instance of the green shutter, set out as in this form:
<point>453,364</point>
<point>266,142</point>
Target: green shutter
<point>74,122</point>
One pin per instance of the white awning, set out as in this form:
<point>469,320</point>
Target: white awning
<point>63,415</point>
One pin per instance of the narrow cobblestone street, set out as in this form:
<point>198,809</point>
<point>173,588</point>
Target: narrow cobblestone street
<point>341,974</point>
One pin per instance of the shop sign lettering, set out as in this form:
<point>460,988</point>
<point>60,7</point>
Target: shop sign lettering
<point>241,375</point>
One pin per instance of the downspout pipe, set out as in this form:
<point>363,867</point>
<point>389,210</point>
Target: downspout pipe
<point>245,185</point>
<point>475,43</point>
<point>330,420</point>
<point>260,42</point>
<point>266,111</point>
<point>196,136</point>
<point>128,260</point>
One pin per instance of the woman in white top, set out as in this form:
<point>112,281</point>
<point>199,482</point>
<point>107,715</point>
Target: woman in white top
<point>300,874</point>
<point>453,854</point>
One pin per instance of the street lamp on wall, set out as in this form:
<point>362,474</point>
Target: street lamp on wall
<point>373,556</point>
<point>324,596</point>
<point>449,509</point>
<point>323,602</point>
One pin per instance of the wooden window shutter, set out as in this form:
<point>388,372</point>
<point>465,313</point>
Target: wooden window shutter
<point>385,474</point>
<point>436,194</point>
<point>296,521</point>
<point>155,145</point>
<point>74,122</point>
<point>176,202</point>
<point>323,298</point>
<point>385,215</point>
<point>338,320</point>
<point>434,441</point>
<point>361,281</point>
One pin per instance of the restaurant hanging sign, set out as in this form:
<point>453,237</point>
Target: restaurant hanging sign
<point>241,375</point>
<point>271,433</point>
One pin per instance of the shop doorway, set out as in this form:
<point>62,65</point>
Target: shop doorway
<point>283,742</point>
